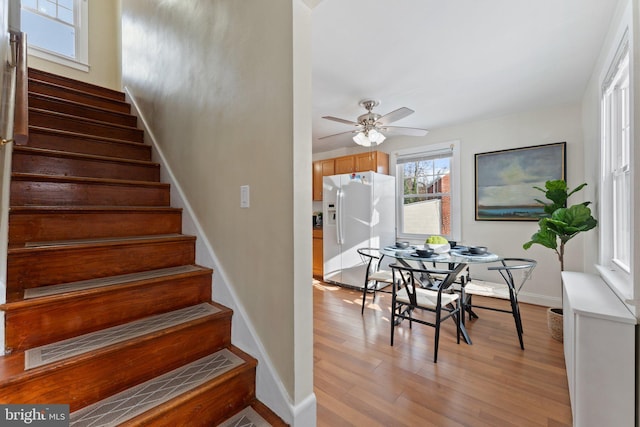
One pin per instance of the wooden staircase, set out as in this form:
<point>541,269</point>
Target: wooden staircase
<point>96,251</point>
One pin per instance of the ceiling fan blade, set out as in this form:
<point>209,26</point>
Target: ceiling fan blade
<point>398,130</point>
<point>337,119</point>
<point>398,114</point>
<point>341,133</point>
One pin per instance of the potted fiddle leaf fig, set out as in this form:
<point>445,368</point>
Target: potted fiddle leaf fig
<point>558,225</point>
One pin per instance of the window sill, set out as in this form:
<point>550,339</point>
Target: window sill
<point>620,284</point>
<point>58,59</point>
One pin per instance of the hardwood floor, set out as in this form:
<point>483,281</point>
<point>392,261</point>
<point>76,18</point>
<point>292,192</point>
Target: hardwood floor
<point>360,380</point>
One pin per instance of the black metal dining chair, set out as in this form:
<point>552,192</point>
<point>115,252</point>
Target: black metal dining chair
<point>505,291</point>
<point>375,278</point>
<point>408,295</point>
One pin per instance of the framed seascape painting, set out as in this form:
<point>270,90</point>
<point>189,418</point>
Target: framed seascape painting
<point>505,181</point>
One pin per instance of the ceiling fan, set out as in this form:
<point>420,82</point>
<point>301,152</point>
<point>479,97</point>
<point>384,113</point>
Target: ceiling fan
<point>370,128</point>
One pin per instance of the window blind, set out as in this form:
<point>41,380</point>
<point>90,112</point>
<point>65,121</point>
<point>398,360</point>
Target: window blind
<point>425,155</point>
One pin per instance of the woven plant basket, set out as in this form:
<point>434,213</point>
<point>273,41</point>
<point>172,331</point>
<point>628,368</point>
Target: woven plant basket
<point>555,323</point>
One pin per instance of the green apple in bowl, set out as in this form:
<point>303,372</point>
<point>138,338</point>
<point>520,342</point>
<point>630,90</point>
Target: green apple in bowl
<point>439,244</point>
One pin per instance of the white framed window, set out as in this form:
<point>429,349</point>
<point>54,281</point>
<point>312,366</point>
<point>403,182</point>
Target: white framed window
<point>57,30</point>
<point>616,173</point>
<point>427,195</point>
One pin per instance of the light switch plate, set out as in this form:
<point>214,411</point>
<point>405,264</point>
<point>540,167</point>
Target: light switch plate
<point>244,196</point>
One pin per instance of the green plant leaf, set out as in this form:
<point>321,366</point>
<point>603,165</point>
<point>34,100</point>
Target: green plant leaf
<point>559,221</point>
<point>558,196</point>
<point>556,192</point>
<point>544,237</point>
<point>578,188</point>
<point>576,216</point>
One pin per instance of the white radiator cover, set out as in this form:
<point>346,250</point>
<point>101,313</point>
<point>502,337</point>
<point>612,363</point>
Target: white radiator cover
<point>599,352</point>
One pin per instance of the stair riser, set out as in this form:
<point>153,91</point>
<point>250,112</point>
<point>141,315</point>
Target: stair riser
<point>40,227</point>
<point>62,319</point>
<point>86,145</point>
<point>33,268</point>
<point>45,88</point>
<point>75,84</point>
<point>26,162</point>
<point>44,193</point>
<point>208,405</point>
<point>45,119</point>
<point>120,367</point>
<point>81,110</point>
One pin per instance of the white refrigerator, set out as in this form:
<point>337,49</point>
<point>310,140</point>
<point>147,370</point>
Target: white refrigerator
<point>358,211</point>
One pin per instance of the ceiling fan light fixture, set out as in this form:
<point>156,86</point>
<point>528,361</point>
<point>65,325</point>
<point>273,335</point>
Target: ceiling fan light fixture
<point>362,139</point>
<point>369,138</point>
<point>376,137</point>
<point>371,125</point>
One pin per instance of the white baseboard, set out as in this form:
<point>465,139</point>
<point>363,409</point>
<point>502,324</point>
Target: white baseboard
<point>269,387</point>
<point>538,299</point>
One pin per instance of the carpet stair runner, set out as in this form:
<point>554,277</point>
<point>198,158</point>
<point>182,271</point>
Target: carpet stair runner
<point>106,309</point>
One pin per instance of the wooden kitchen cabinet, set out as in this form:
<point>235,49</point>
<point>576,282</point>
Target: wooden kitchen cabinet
<point>318,259</point>
<point>345,164</point>
<point>321,168</point>
<point>376,161</point>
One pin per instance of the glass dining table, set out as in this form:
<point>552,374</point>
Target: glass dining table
<point>454,256</point>
<point>447,255</point>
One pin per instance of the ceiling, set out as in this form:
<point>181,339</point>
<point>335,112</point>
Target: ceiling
<point>452,61</point>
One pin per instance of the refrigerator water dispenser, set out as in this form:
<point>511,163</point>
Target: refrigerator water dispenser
<point>331,215</point>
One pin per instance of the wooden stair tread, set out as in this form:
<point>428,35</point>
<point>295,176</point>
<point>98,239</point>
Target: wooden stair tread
<point>82,119</point>
<point>75,108</point>
<point>74,261</point>
<point>248,416</point>
<point>18,176</point>
<point>83,97</point>
<point>56,293</point>
<point>41,75</point>
<point>32,223</point>
<point>80,156</point>
<point>93,341</point>
<point>68,314</point>
<point>164,390</point>
<point>68,122</point>
<point>84,209</point>
<point>97,138</point>
<point>29,189</point>
<point>88,378</point>
<point>69,89</point>
<point>49,162</point>
<point>79,142</point>
<point>102,242</point>
<point>79,104</point>
<point>272,418</point>
<point>13,366</point>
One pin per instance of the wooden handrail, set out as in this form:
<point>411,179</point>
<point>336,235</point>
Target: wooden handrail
<point>21,114</point>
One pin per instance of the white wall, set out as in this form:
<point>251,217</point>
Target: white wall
<point>506,237</point>
<point>304,396</point>
<point>224,86</point>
